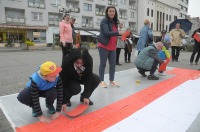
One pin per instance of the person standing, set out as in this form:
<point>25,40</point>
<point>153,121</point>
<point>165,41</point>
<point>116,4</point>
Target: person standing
<point>66,34</point>
<point>146,36</point>
<point>77,69</point>
<point>128,47</point>
<point>120,45</point>
<point>176,36</point>
<point>107,44</point>
<point>78,40</point>
<point>72,21</point>
<point>196,48</point>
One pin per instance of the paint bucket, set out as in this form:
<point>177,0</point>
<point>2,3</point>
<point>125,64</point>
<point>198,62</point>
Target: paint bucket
<point>137,81</point>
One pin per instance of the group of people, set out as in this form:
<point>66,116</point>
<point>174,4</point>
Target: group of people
<point>62,83</point>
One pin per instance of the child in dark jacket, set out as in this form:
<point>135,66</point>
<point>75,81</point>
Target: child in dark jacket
<point>45,82</point>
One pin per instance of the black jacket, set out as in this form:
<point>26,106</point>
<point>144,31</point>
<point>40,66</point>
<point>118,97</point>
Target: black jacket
<point>106,31</point>
<point>69,73</point>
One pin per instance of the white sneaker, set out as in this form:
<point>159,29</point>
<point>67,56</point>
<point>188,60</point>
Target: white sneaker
<point>161,74</point>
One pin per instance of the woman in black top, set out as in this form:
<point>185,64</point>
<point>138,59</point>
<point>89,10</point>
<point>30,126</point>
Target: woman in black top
<point>77,69</point>
<point>196,49</point>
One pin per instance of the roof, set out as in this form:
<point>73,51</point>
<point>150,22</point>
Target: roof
<point>83,33</point>
<point>95,32</point>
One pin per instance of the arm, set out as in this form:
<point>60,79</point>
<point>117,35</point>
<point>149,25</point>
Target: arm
<point>35,98</point>
<point>59,88</point>
<point>150,34</point>
<point>105,29</point>
<point>154,54</point>
<point>182,33</point>
<point>61,27</point>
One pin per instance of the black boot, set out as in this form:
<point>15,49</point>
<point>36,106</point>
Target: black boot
<point>68,103</point>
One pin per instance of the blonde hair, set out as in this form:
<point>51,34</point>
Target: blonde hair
<point>146,22</point>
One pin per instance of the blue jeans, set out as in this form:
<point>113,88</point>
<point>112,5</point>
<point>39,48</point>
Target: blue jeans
<point>111,56</point>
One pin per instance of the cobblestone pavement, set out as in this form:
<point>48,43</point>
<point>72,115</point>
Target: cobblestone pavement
<point>16,67</point>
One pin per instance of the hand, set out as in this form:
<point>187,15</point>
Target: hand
<point>44,119</point>
<point>64,108</point>
<point>86,101</point>
<point>64,44</point>
<point>55,116</point>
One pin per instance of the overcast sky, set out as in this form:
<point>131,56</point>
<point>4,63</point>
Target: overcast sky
<point>194,8</point>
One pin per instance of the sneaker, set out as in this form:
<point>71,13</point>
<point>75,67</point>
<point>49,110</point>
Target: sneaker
<point>152,77</point>
<point>68,103</point>
<point>196,63</point>
<point>34,114</point>
<point>90,102</point>
<point>51,109</point>
<point>126,61</point>
<point>142,73</point>
<point>118,64</point>
<point>161,74</point>
<point>191,63</point>
<point>129,61</point>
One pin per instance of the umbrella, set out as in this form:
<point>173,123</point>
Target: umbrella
<point>186,25</point>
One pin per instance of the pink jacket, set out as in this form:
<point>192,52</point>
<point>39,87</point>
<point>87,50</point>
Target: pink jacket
<point>65,32</point>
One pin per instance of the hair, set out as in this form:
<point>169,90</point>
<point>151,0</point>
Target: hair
<point>81,53</point>
<point>115,19</point>
<point>65,16</point>
<point>73,18</point>
<point>146,22</point>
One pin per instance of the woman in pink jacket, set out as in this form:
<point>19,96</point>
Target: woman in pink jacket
<point>66,34</point>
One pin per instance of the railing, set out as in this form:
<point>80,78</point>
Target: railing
<point>15,20</point>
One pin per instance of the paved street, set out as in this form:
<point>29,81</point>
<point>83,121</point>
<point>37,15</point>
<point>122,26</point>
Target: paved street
<point>16,67</point>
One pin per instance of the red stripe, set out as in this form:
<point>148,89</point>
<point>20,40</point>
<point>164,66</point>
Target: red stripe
<point>103,118</point>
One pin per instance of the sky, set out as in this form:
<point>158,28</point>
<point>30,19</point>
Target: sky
<point>194,8</point>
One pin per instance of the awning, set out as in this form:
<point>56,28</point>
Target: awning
<point>83,33</point>
<point>95,32</point>
<point>23,27</point>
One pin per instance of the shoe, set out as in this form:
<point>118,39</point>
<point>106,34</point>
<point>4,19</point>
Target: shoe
<point>152,77</point>
<point>129,61</point>
<point>176,60</point>
<point>161,74</point>
<point>34,114</point>
<point>90,102</point>
<point>126,61</point>
<point>172,60</point>
<point>51,109</point>
<point>196,63</point>
<point>191,63</point>
<point>118,64</point>
<point>103,84</point>
<point>113,83</point>
<point>142,73</point>
<point>68,103</point>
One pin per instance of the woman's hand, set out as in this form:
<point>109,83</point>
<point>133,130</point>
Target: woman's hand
<point>86,101</point>
<point>44,119</point>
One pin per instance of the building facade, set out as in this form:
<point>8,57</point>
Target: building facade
<point>38,20</point>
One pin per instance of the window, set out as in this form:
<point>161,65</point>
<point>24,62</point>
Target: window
<point>175,17</point>
<point>36,3</point>
<point>55,2</point>
<point>53,19</point>
<point>147,11</point>
<point>152,25</point>
<point>169,17</point>
<point>123,2</point>
<point>166,27</point>
<point>151,13</point>
<point>36,16</point>
<point>87,7</point>
<point>39,35</point>
<point>132,14</point>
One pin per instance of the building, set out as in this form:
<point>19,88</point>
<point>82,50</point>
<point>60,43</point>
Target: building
<point>38,20</point>
<point>160,12</point>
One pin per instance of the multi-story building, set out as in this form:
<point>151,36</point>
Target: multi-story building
<point>38,20</point>
<point>183,7</point>
<point>160,12</point>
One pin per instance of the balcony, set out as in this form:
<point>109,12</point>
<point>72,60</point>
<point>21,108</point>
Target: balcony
<point>36,5</point>
<point>55,23</point>
<point>132,7</point>
<point>87,25</point>
<point>122,16</point>
<point>15,20</point>
<point>114,3</point>
<point>100,13</point>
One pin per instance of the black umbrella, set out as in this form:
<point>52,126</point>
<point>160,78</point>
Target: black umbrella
<point>186,25</point>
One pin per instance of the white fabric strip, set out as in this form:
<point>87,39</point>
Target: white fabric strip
<point>173,112</point>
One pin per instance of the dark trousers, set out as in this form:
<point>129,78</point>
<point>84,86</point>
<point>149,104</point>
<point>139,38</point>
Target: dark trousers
<point>153,68</point>
<point>65,49</point>
<point>25,96</point>
<point>118,51</point>
<point>127,53</point>
<point>195,50</point>
<point>72,87</point>
<point>175,52</point>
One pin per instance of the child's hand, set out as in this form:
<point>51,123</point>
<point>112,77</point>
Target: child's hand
<point>86,101</point>
<point>55,116</point>
<point>44,119</point>
<point>64,108</point>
